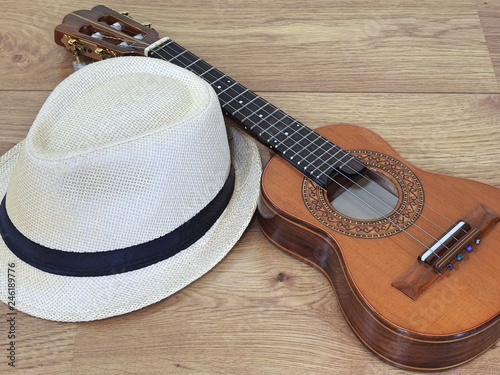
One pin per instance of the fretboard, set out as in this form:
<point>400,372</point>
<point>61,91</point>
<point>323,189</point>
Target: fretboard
<point>313,155</point>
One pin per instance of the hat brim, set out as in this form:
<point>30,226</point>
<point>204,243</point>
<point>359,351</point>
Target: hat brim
<point>67,298</point>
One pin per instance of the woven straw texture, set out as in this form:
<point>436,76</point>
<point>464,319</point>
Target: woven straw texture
<point>123,152</point>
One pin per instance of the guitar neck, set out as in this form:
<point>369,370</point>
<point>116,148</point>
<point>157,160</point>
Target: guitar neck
<point>310,153</point>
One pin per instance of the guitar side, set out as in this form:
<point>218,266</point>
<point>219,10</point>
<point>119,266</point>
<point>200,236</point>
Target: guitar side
<point>454,320</point>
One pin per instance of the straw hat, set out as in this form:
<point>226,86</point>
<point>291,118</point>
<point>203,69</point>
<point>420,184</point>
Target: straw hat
<point>124,191</point>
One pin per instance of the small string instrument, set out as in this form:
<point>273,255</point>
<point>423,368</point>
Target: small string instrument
<point>413,256</point>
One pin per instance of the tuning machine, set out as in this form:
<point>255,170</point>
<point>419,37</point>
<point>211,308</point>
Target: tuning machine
<point>104,53</point>
<point>127,14</point>
<point>77,49</point>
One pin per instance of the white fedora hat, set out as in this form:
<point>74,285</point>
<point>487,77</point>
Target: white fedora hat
<point>127,188</point>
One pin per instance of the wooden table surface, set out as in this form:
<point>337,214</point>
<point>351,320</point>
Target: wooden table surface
<point>423,74</point>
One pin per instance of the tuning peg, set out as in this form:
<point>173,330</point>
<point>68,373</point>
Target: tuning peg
<point>147,24</point>
<point>117,26</point>
<point>126,14</point>
<point>123,13</point>
<point>77,49</point>
<point>104,53</point>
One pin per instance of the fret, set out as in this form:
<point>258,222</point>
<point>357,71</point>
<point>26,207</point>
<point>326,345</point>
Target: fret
<point>244,101</point>
<point>257,116</point>
<point>173,47</point>
<point>326,165</point>
<point>300,136</point>
<point>224,98</point>
<point>221,82</point>
<point>178,55</point>
<point>315,156</point>
<point>284,133</point>
<point>243,107</point>
<point>341,160</point>
<point>288,133</point>
<point>209,72</point>
<point>305,156</point>
<point>305,153</point>
<point>228,88</point>
<point>265,117</point>
<point>335,153</point>
<point>324,147</point>
<point>274,120</point>
<point>194,62</point>
<point>200,67</point>
<point>247,98</point>
<point>257,106</point>
<point>309,148</point>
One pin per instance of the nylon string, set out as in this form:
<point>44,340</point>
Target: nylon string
<point>326,152</point>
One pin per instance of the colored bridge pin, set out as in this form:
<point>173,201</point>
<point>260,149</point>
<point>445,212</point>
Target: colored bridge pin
<point>449,266</point>
<point>460,256</point>
<point>469,248</point>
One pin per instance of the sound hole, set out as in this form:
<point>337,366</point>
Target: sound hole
<point>405,199</point>
<point>371,196</point>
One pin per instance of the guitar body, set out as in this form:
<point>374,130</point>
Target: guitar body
<point>450,319</point>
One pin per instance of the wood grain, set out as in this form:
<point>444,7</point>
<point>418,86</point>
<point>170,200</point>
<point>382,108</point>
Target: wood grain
<point>422,74</point>
<point>489,14</point>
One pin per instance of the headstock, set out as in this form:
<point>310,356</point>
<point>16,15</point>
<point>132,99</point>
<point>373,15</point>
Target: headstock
<point>102,33</point>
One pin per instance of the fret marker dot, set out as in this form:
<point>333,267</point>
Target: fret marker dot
<point>218,87</point>
<point>241,102</point>
<point>305,167</point>
<point>286,133</point>
<point>260,115</point>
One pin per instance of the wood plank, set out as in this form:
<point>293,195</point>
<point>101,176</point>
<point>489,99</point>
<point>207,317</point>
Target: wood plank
<point>343,47</point>
<point>489,14</point>
<point>394,47</point>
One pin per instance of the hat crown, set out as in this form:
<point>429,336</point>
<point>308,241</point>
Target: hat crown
<point>117,144</point>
